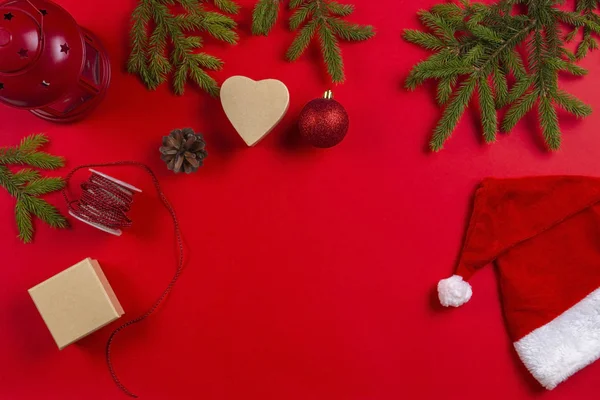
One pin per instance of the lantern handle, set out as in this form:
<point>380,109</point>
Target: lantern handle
<point>41,18</point>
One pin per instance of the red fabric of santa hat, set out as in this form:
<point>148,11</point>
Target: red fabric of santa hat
<point>543,234</point>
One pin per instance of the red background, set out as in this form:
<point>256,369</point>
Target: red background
<point>311,273</point>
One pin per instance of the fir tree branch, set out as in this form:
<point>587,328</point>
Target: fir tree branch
<point>549,122</point>
<point>24,222</point>
<point>302,40</point>
<point>452,114</point>
<point>572,104</point>
<point>445,88</point>
<point>310,18</point>
<point>424,39</point>
<point>25,175</point>
<point>7,181</point>
<point>589,20</point>
<point>31,143</point>
<point>476,45</point>
<point>489,118</point>
<point>26,154</point>
<point>500,85</point>
<point>264,16</point>
<point>166,48</point>
<point>26,184</point>
<point>228,6</point>
<point>518,109</point>
<point>41,186</point>
<point>331,53</point>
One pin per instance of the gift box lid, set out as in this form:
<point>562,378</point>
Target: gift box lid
<point>76,302</point>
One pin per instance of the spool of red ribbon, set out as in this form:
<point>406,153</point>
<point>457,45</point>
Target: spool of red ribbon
<point>104,203</point>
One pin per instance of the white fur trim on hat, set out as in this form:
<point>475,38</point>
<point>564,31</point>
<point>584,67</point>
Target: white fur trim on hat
<point>565,345</point>
<point>454,291</point>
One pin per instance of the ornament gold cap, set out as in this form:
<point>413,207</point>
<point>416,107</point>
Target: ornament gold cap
<point>328,95</point>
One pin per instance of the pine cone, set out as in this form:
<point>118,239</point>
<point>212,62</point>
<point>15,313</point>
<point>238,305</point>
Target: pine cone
<point>183,150</point>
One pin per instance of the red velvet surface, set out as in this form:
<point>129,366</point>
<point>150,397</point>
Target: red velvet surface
<point>542,233</point>
<point>311,273</point>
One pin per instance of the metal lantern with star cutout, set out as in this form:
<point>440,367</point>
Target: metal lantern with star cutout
<point>48,63</point>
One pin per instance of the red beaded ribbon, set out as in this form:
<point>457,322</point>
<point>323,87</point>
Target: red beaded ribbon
<point>105,202</point>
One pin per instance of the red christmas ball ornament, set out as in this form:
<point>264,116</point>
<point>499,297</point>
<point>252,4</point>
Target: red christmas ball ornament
<point>48,63</point>
<point>324,122</point>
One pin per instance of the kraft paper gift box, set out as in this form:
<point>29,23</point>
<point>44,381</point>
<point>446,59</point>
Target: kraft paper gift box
<point>76,302</point>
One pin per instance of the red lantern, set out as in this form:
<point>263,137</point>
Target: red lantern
<point>49,64</point>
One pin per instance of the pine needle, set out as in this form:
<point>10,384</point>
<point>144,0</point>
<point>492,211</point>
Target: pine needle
<point>477,45</point>
<point>26,185</point>
<point>310,18</point>
<point>160,45</point>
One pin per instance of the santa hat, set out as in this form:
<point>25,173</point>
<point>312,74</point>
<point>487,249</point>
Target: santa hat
<point>544,236</point>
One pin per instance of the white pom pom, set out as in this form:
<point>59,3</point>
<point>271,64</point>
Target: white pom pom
<point>454,291</point>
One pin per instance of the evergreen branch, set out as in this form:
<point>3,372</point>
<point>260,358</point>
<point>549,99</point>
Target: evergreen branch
<point>452,114</point>
<point>160,44</point>
<point>500,86</point>
<point>341,10</point>
<point>426,70</point>
<point>207,61</point>
<point>223,33</point>
<point>448,10</point>
<point>512,60</point>
<point>44,211</point>
<point>41,186</point>
<point>264,16</point>
<point>180,77</point>
<point>479,45</point>
<point>213,18</point>
<point>26,154</point>
<point>572,104</point>
<point>489,118</point>
<point>351,32</point>
<point>512,41</point>
<point>38,159</point>
<point>25,175</point>
<point>549,123</point>
<point>564,65</point>
<point>301,14</point>
<point>137,62</point>
<point>302,40</point>
<point>7,181</point>
<point>310,18</point>
<point>227,6</point>
<point>517,110</point>
<point>423,39</point>
<point>332,53</point>
<point>571,35</point>
<point>440,26</point>
<point>26,184</point>
<point>484,33</point>
<point>296,3</point>
<point>32,143</point>
<point>202,79</point>
<point>519,88</point>
<point>445,88</point>
<point>24,222</point>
